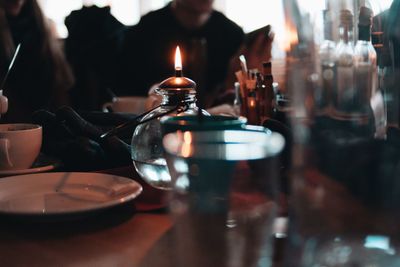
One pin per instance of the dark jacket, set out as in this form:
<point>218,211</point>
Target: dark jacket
<point>149,48</point>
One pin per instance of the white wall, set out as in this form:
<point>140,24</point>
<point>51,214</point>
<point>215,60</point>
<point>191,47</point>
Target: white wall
<point>250,14</point>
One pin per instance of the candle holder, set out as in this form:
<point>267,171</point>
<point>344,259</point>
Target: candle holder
<point>178,99</point>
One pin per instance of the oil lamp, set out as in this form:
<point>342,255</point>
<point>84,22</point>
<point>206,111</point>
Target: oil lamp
<point>178,98</point>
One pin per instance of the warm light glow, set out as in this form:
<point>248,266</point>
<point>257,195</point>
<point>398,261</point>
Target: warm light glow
<point>178,59</point>
<point>291,37</point>
<point>252,103</point>
<point>179,80</point>
<point>187,137</point>
<point>186,150</point>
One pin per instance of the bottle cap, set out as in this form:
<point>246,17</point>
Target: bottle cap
<point>346,18</point>
<point>365,17</point>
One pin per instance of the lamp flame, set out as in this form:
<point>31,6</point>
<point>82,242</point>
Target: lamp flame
<point>178,60</point>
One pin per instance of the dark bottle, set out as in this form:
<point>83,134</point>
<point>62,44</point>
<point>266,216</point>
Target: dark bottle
<point>268,95</point>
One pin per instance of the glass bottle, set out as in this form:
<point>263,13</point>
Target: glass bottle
<point>343,94</point>
<point>327,60</point>
<point>178,99</point>
<point>237,102</point>
<point>365,72</point>
<point>251,101</point>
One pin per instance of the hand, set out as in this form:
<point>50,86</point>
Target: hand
<point>259,50</point>
<point>3,103</point>
<point>66,135</point>
<point>224,109</point>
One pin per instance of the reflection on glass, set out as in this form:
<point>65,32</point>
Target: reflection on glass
<point>344,181</point>
<point>224,198</point>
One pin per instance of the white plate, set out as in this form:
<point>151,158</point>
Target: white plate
<point>64,193</point>
<point>41,164</point>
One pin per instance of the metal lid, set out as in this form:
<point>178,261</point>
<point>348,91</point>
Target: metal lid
<point>177,83</point>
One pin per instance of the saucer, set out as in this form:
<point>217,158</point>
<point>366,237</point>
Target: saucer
<point>43,163</point>
<point>46,195</point>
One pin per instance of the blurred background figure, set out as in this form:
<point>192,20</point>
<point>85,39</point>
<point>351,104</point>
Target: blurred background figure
<point>93,43</point>
<point>207,39</point>
<point>392,71</point>
<point>41,76</point>
<point>386,41</point>
<point>394,32</point>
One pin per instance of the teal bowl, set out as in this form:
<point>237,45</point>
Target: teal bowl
<point>206,123</point>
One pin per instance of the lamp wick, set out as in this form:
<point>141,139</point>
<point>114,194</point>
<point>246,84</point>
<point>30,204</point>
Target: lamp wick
<point>178,73</point>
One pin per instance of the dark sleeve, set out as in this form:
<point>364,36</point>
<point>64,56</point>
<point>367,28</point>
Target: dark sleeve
<point>229,37</point>
<point>127,78</point>
<point>141,61</point>
<point>231,33</point>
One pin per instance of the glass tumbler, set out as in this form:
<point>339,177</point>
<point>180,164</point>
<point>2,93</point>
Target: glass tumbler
<point>224,196</point>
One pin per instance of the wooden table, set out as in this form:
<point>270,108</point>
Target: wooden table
<point>119,237</point>
<point>138,233</point>
<point>114,238</point>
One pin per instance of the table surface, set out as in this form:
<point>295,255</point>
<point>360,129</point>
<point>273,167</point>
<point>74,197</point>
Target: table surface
<point>132,234</point>
<point>120,237</point>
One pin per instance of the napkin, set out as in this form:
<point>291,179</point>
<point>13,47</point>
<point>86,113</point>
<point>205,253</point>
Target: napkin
<point>77,142</point>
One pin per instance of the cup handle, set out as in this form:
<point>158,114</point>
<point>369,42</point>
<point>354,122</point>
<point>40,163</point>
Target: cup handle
<point>107,107</point>
<point>4,155</point>
<point>3,104</point>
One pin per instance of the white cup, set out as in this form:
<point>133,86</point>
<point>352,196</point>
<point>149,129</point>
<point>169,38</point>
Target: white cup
<point>19,145</point>
<point>3,103</point>
<point>128,104</point>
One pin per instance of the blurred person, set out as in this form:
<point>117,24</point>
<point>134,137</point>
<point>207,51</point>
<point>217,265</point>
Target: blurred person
<point>256,48</point>
<point>40,77</point>
<point>392,72</point>
<point>393,25</point>
<point>93,43</point>
<point>208,40</point>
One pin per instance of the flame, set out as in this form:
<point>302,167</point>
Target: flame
<point>291,37</point>
<point>178,59</point>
